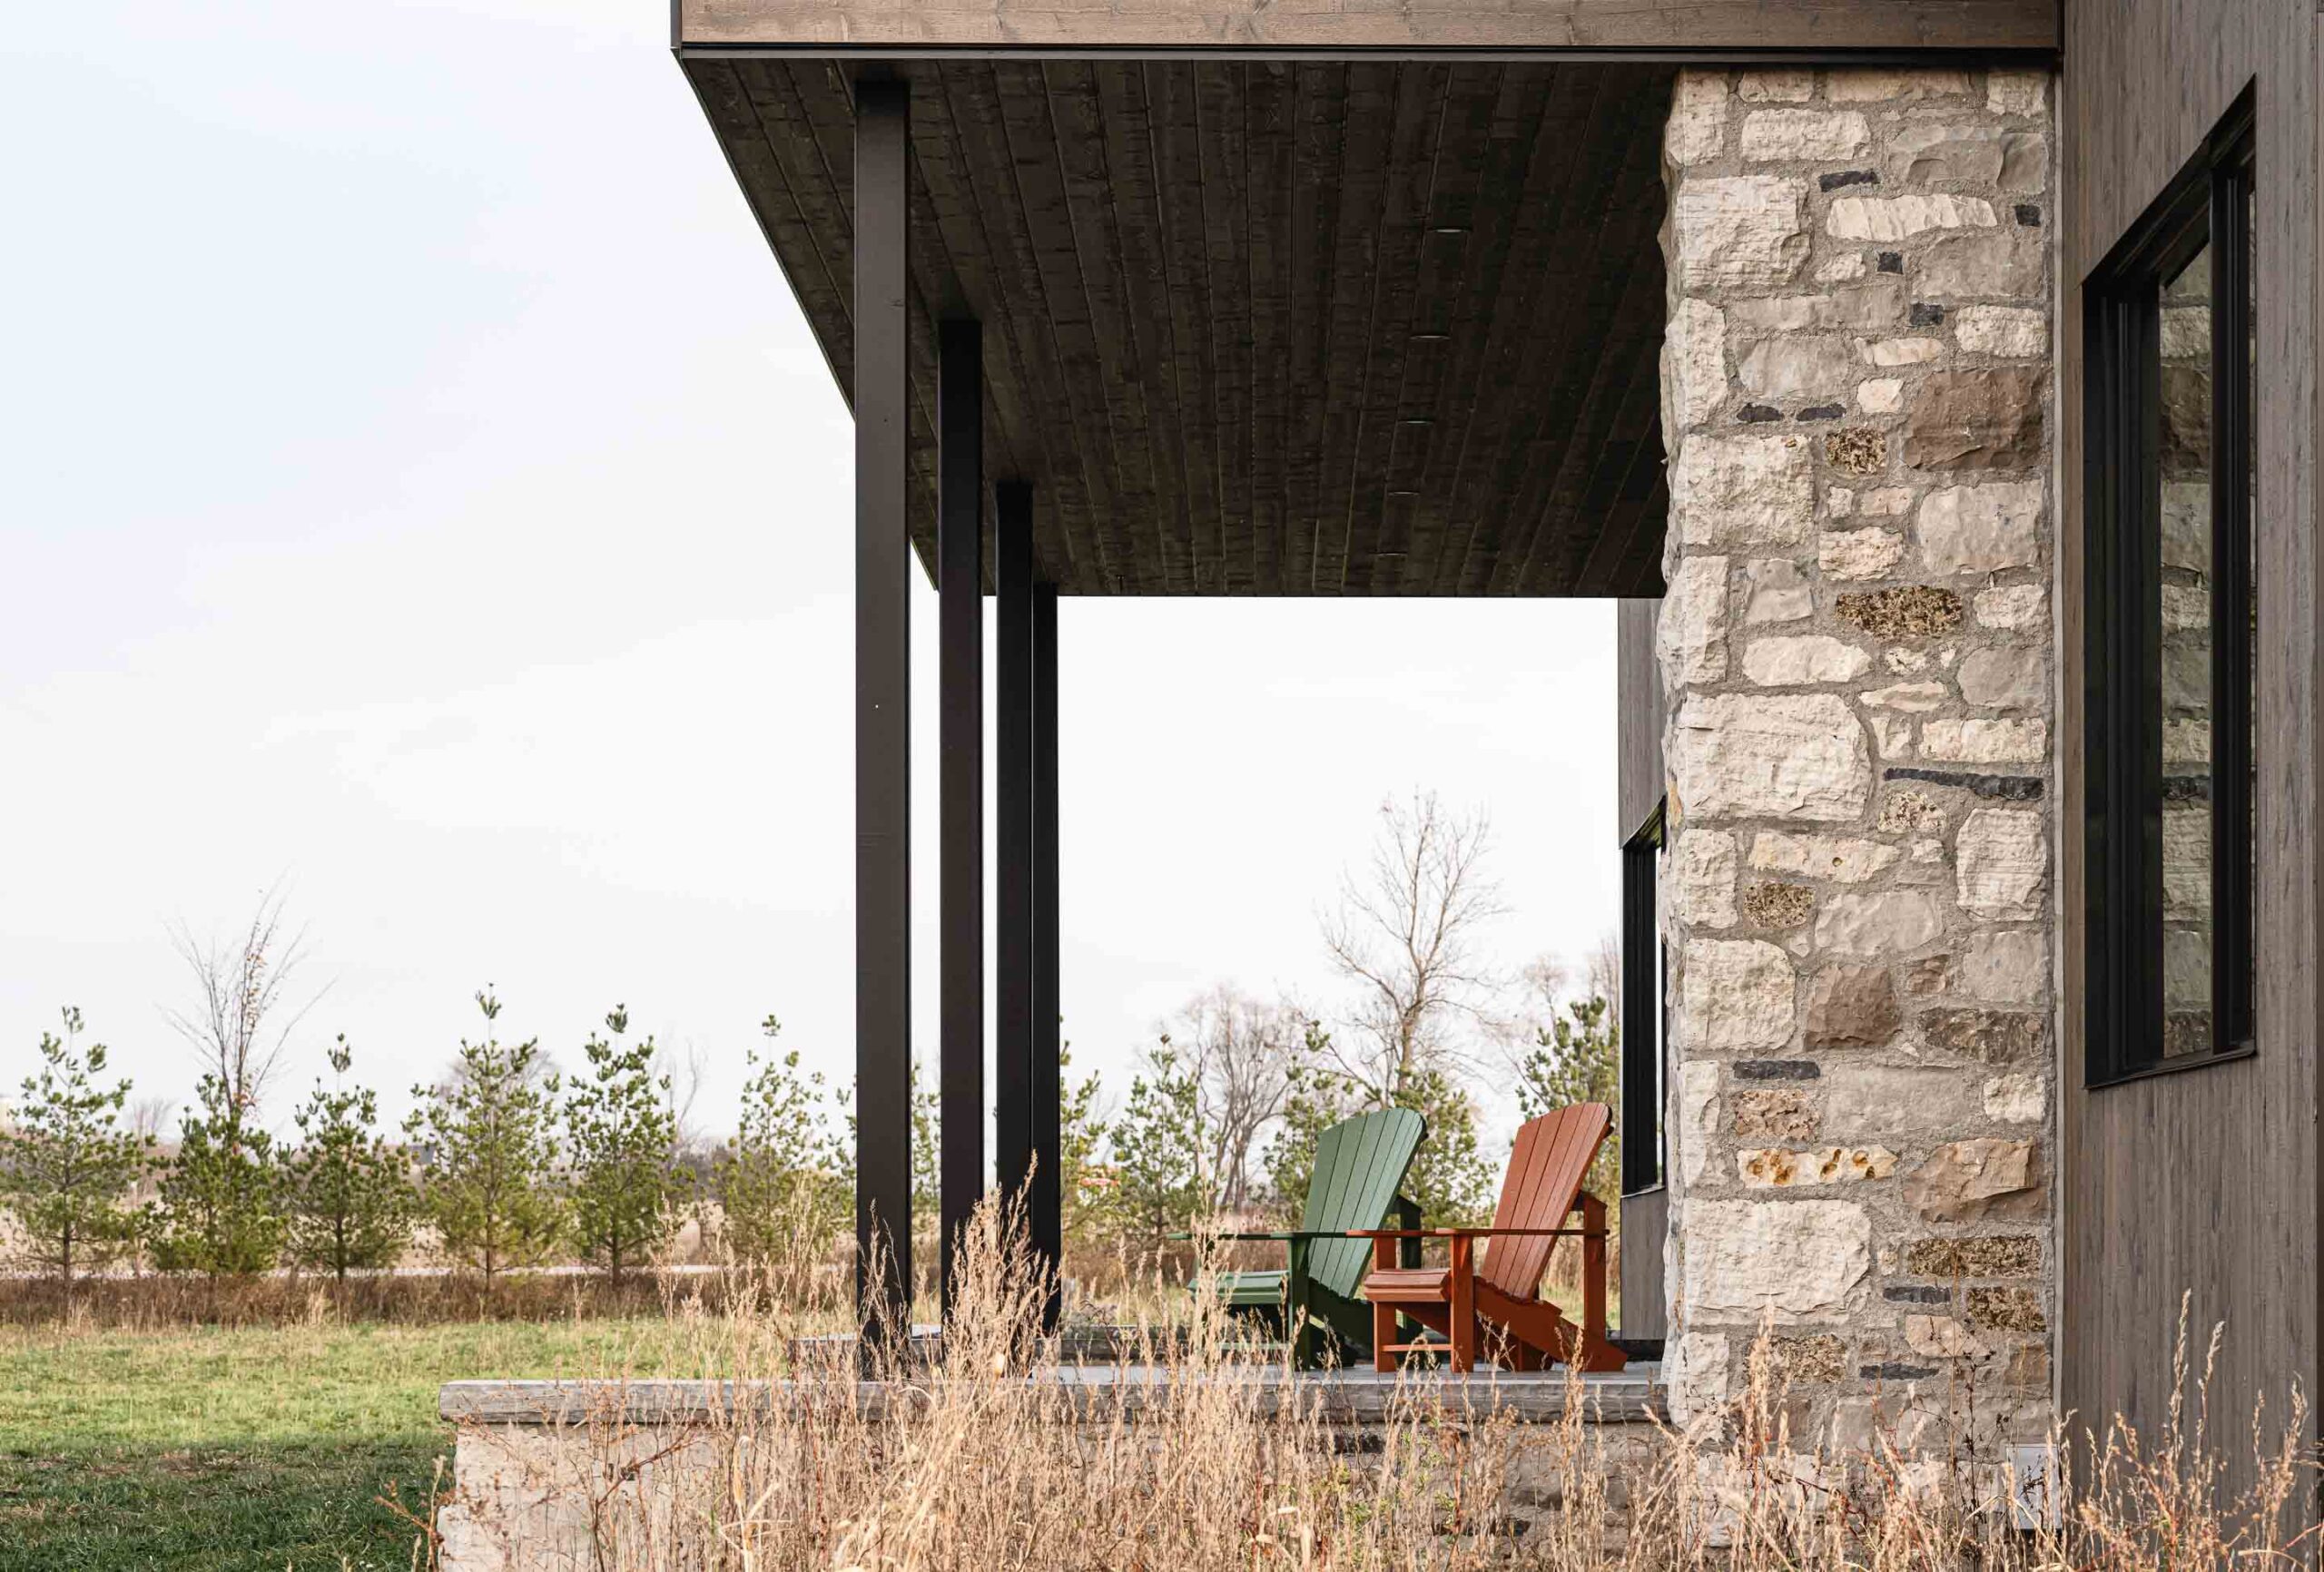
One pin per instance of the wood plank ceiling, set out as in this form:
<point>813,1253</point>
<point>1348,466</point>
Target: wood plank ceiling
<point>1370,328</point>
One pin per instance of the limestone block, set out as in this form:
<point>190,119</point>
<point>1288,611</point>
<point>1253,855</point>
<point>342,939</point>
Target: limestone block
<point>1737,995</point>
<point>1999,1255</point>
<point>1840,860</point>
<point>1905,611</point>
<point>1859,554</point>
<point>1995,263</point>
<point>1880,396</point>
<point>1694,363</point>
<point>2009,965</point>
<point>1696,1372</point>
<point>1889,353</point>
<point>1852,1007</point>
<point>1777,592</point>
<point>1865,1102</point>
<point>1702,872</point>
<point>1982,741</point>
<point>1977,419</point>
<point>2013,606</point>
<point>1781,1168</point>
<point>1982,528</point>
<point>1793,368</point>
<point>2012,332</point>
<point>1773,86</point>
<point>1790,662</point>
<point>1741,234</point>
<point>1873,304</point>
<point>1990,1036</point>
<point>2004,678</point>
<point>1966,1181</point>
<point>1789,756</point>
<point>1698,1115</point>
<point>2019,1098</point>
<point>1879,923</point>
<point>2017,92</point>
<point>1912,698</point>
<point>1775,135</point>
<point>1965,153</point>
<point>1865,86</point>
<point>1792,1260</point>
<point>2002,857</point>
<point>1691,632</point>
<point>1887,220</point>
<point>1774,1116</point>
<point>1743,491</point>
<point>1698,124</point>
<point>1939,1337</point>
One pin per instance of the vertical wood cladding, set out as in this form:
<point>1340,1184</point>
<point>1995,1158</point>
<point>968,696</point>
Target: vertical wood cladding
<point>2202,1183</point>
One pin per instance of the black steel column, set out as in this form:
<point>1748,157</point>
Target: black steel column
<point>1044,1213</point>
<point>960,554</point>
<point>883,713</point>
<point>1014,1013</point>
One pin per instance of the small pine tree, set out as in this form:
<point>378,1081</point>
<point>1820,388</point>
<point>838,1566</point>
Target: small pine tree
<point>1577,1058</point>
<point>621,1134</point>
<point>221,1212</point>
<point>350,1195</point>
<point>1081,1133</point>
<point>66,1167</point>
<point>1450,1178</point>
<point>784,1184</point>
<point>1160,1147</point>
<point>491,1187</point>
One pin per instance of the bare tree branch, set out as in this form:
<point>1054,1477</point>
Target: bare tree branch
<point>238,1027</point>
<point>1240,1053</point>
<point>1405,936</point>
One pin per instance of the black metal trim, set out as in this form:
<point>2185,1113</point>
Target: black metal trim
<point>2124,784</point>
<point>960,638</point>
<point>1644,1002</point>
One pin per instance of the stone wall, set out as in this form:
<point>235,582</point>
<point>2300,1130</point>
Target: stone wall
<point>1855,653</point>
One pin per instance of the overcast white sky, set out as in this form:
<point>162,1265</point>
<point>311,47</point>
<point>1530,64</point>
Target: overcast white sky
<point>420,490</point>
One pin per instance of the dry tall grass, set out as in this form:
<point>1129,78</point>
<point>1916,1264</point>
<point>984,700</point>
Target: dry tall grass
<point>978,1456</point>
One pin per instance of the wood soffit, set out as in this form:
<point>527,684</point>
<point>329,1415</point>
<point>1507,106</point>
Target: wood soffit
<point>1253,327</point>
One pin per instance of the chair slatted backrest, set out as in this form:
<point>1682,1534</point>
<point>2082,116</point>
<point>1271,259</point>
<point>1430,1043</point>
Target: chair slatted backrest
<point>1546,1168</point>
<point>1360,1164</point>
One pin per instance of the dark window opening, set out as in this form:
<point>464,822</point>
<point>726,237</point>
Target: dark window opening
<point>2172,616</point>
<point>1644,989</point>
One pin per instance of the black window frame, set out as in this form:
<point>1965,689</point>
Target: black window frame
<point>1645,1054</point>
<point>2207,204</point>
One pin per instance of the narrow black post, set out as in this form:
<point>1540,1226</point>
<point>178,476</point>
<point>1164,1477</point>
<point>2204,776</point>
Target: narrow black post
<point>882,715</point>
<point>1013,1013</point>
<point>959,552</point>
<point>1044,1213</point>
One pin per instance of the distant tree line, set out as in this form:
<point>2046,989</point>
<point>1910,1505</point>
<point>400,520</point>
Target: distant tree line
<point>505,1164</point>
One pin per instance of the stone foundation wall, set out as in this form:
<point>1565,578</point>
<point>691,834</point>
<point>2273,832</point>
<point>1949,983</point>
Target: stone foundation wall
<point>1855,653</point>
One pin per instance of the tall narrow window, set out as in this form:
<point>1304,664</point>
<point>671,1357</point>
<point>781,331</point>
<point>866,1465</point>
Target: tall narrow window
<point>2171,615</point>
<point>1643,992</point>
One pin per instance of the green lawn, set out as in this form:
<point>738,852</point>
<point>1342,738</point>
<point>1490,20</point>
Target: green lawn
<point>251,1450</point>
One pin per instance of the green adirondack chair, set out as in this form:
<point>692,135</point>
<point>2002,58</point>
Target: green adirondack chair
<point>1360,1164</point>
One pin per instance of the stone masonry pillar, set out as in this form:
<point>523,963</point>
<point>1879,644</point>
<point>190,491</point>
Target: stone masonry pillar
<point>1855,651</point>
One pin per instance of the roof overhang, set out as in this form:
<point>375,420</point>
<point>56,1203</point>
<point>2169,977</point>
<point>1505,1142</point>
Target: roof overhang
<point>1692,30</point>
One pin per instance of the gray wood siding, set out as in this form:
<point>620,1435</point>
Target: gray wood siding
<point>1638,682</point>
<point>2205,1182</point>
<point>1646,1218</point>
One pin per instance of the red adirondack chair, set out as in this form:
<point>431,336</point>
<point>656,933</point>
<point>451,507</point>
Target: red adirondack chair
<point>1497,1285</point>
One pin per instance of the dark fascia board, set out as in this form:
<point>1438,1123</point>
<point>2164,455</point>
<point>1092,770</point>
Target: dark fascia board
<point>2036,56</point>
<point>1707,31</point>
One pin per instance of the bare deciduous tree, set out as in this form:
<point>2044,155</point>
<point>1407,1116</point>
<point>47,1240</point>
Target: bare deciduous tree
<point>1239,1051</point>
<point>1405,935</point>
<point>242,1022</point>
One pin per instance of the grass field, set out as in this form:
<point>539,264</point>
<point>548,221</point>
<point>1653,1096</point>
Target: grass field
<point>254,1449</point>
